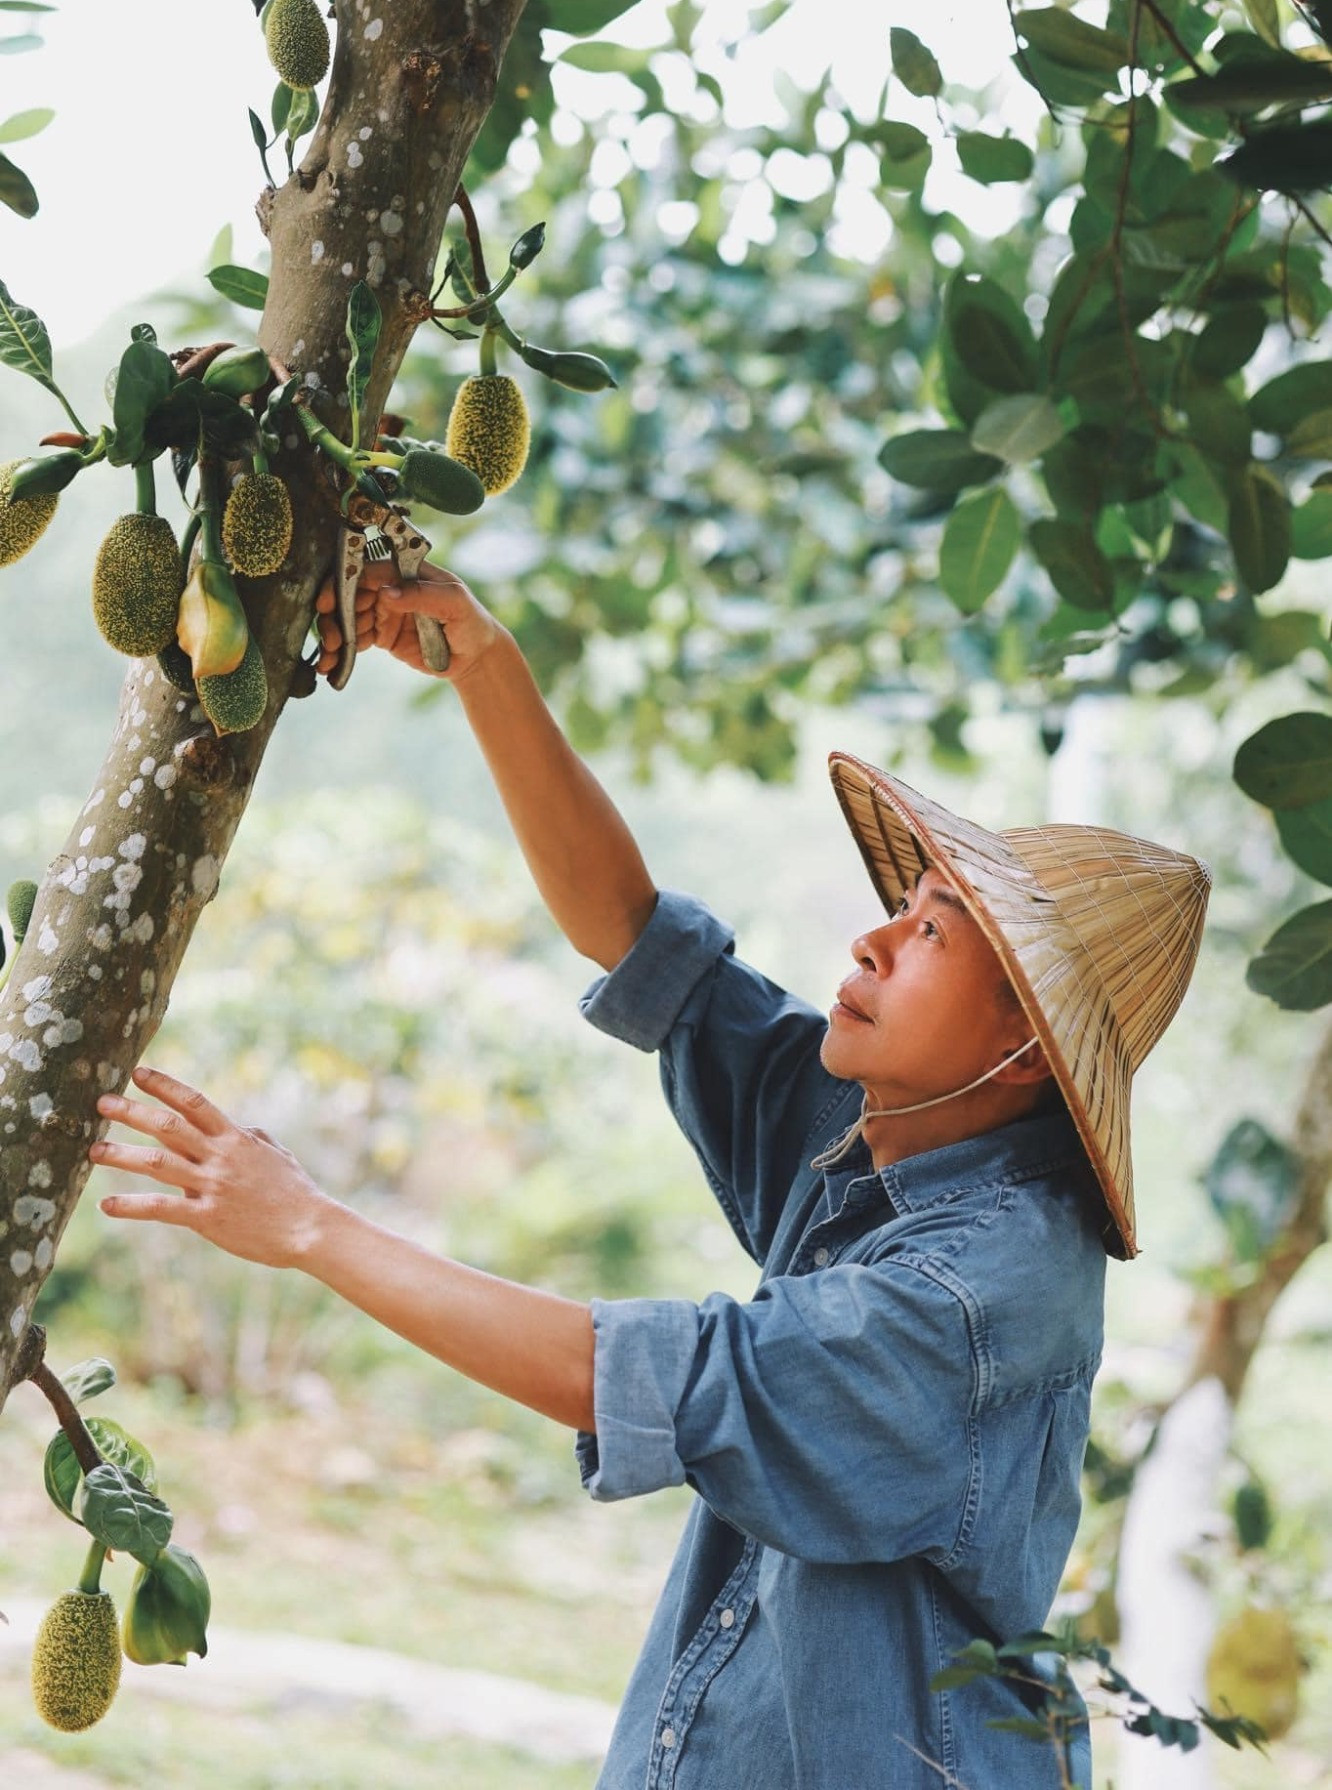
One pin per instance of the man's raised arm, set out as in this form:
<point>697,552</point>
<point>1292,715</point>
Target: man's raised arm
<point>583,857</point>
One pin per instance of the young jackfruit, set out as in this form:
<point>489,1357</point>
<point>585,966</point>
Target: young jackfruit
<point>76,1660</point>
<point>297,40</point>
<point>137,580</point>
<point>237,372</point>
<point>236,702</point>
<point>443,483</point>
<point>489,430</point>
<point>256,524</point>
<point>23,520</point>
<point>20,901</point>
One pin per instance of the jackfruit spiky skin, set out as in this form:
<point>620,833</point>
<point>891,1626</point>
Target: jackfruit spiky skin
<point>236,702</point>
<point>175,666</point>
<point>256,525</point>
<point>76,1660</point>
<point>297,40</point>
<point>22,524</point>
<point>20,901</point>
<point>489,430</point>
<point>137,581</point>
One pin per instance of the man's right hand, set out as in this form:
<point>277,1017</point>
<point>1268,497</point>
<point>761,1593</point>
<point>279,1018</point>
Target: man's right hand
<point>385,606</point>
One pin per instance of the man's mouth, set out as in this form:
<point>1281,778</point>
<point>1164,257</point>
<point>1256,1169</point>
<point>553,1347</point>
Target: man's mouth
<point>849,1010</point>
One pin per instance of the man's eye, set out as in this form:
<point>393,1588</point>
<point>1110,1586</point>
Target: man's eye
<point>930,929</point>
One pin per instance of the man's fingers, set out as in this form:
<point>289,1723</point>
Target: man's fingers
<point>327,600</point>
<point>160,1206</point>
<point>441,595</point>
<point>182,1098</point>
<point>140,1159</point>
<point>155,1121</point>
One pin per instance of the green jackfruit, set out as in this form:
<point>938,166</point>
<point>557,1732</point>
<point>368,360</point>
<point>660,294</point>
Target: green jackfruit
<point>22,520</point>
<point>256,524</point>
<point>76,1660</point>
<point>443,483</point>
<point>297,39</point>
<point>489,430</point>
<point>137,581</point>
<point>237,372</point>
<point>20,901</point>
<point>236,702</point>
<point>212,628</point>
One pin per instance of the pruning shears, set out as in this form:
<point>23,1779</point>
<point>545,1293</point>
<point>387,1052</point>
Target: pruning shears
<point>375,532</point>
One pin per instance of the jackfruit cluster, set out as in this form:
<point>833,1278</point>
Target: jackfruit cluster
<point>489,430</point>
<point>236,701</point>
<point>298,43</point>
<point>257,524</point>
<point>23,521</point>
<point>76,1660</point>
<point>137,580</point>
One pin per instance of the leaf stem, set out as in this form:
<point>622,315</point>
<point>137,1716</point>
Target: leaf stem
<point>65,404</point>
<point>90,1579</point>
<point>464,204</point>
<point>210,504</point>
<point>146,488</point>
<point>489,365</point>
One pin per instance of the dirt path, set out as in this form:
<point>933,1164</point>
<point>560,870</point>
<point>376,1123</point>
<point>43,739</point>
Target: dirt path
<point>247,1670</point>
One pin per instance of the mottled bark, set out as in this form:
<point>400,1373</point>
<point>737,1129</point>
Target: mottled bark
<point>407,94</point>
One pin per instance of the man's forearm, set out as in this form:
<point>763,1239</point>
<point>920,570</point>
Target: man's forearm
<point>581,854</point>
<point>531,1346</point>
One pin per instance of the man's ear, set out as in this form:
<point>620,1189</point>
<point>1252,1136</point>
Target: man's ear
<point>1024,1071</point>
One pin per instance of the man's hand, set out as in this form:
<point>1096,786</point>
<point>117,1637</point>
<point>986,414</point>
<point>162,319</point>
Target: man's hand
<point>384,609</point>
<point>237,1188</point>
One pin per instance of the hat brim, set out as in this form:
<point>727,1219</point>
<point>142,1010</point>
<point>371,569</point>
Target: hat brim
<point>900,834</point>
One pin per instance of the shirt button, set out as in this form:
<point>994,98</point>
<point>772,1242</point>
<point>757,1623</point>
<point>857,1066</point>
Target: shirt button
<point>727,1619</point>
<point>668,1738</point>
<point>820,1258</point>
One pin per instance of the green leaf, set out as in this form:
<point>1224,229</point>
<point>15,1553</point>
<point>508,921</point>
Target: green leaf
<point>25,124</point>
<point>980,540</point>
<point>1311,438</point>
<point>166,1616</point>
<point>1251,1508</point>
<point>1018,428</point>
<point>1259,528</point>
<point>1219,424</point>
<point>1294,967</point>
<point>62,1472</point>
<point>992,159</point>
<point>1057,83</point>
<point>144,380</point>
<point>24,343</point>
<point>1306,834</point>
<point>16,46</point>
<point>364,320</point>
<point>1069,40</point>
<point>1311,527</point>
<point>241,285</point>
<point>582,17</point>
<point>1254,84</point>
<point>280,110</point>
<point>1284,401</point>
<point>1287,763</point>
<point>118,1510</point>
<point>1077,568</point>
<point>1286,158</point>
<point>937,460</point>
<point>905,155</point>
<point>1020,1724</point>
<point>303,116</point>
<point>88,1378</point>
<point>1253,1183</point>
<point>914,65</point>
<point>1266,20</point>
<point>1229,342</point>
<point>16,190</point>
<point>989,334</point>
<point>1023,1646</point>
<point>605,58</point>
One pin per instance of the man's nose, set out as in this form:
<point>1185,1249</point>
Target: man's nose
<point>873,949</point>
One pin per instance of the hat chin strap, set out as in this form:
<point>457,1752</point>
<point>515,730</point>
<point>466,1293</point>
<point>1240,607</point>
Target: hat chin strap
<point>835,1151</point>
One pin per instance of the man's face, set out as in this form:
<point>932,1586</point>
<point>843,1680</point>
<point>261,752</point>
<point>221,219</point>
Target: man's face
<point>923,1011</point>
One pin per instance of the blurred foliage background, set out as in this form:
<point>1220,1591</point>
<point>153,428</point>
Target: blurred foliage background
<point>717,578</point>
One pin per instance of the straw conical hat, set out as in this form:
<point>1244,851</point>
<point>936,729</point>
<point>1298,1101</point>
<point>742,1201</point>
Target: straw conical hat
<point>1097,931</point>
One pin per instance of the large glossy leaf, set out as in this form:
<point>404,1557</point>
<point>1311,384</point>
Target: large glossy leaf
<point>241,285</point>
<point>1294,967</point>
<point>990,335</point>
<point>980,541</point>
<point>1306,834</point>
<point>144,380</point>
<point>1259,528</point>
<point>61,1468</point>
<point>117,1509</point>
<point>1219,423</point>
<point>1311,438</point>
<point>1251,86</point>
<point>1230,341</point>
<point>993,159</point>
<point>913,64</point>
<point>1018,428</point>
<point>1287,158</point>
<point>1065,38</point>
<point>1280,404</point>
<point>1288,763</point>
<point>937,460</point>
<point>24,343</point>
<point>1077,567</point>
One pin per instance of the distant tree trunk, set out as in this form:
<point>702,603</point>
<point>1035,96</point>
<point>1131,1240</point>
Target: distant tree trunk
<point>117,908</point>
<point>1166,1611</point>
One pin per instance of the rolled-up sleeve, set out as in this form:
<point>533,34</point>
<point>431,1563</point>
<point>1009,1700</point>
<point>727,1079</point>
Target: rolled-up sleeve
<point>740,1061</point>
<point>830,1416</point>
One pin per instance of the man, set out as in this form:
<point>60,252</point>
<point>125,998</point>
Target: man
<point>886,1440</point>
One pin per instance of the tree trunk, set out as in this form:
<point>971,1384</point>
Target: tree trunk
<point>117,908</point>
<point>1166,1609</point>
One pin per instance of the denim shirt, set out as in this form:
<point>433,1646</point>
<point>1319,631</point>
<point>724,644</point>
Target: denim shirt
<point>886,1441</point>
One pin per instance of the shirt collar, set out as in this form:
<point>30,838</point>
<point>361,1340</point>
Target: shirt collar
<point>1014,1152</point>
